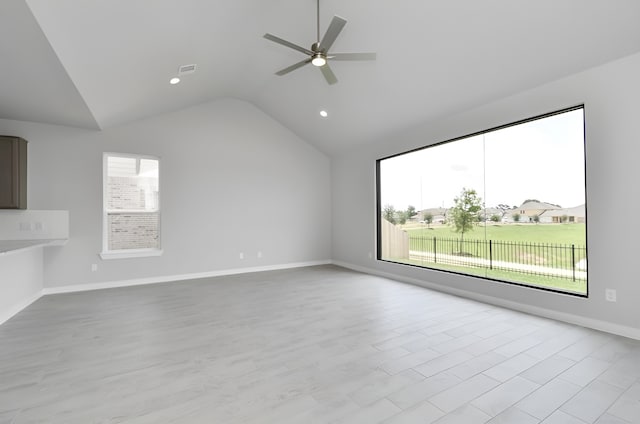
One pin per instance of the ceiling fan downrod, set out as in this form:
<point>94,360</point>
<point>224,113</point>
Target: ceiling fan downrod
<point>318,23</point>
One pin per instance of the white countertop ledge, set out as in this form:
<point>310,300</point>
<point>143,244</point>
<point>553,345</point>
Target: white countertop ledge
<point>11,246</point>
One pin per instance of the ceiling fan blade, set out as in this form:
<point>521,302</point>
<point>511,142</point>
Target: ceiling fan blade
<point>352,56</point>
<point>287,44</point>
<point>293,67</point>
<point>336,25</point>
<point>328,74</point>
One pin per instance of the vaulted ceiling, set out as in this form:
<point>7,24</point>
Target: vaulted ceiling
<point>104,63</point>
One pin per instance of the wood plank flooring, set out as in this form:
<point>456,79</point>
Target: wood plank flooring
<point>310,345</point>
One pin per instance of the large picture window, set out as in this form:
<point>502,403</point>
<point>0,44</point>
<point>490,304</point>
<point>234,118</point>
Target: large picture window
<point>131,206</point>
<point>507,204</point>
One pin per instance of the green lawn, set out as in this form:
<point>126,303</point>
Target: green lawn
<point>545,245</point>
<point>578,286</point>
<point>533,233</point>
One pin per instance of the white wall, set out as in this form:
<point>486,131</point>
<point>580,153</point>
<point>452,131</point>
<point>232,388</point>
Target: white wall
<point>21,280</point>
<point>611,94</point>
<point>232,180</point>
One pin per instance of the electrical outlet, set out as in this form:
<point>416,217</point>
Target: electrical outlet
<point>370,255</point>
<point>611,295</point>
<point>259,254</point>
<point>241,255</point>
<point>94,267</point>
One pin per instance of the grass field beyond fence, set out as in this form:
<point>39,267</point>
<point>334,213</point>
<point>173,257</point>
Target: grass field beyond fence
<point>523,253</point>
<point>533,233</point>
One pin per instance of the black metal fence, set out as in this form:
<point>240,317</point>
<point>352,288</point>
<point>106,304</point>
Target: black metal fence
<point>547,259</point>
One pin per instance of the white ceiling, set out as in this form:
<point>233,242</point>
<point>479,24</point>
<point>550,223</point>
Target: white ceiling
<point>104,63</point>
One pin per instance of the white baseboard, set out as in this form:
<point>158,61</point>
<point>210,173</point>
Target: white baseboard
<point>8,314</point>
<point>170,278</point>
<point>609,327</point>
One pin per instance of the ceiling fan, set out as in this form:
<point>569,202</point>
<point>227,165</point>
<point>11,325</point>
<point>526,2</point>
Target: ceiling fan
<point>319,53</point>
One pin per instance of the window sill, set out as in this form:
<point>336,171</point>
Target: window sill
<point>127,254</point>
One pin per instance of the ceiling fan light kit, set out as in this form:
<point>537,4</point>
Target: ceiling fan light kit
<point>319,60</point>
<point>319,55</point>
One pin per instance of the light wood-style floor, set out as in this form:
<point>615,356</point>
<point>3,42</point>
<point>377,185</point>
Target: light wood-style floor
<point>310,345</point>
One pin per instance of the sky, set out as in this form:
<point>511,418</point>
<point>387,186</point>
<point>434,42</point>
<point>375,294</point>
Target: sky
<point>541,159</point>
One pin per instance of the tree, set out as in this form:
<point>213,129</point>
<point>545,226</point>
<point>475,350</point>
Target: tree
<point>465,212</point>
<point>411,212</point>
<point>564,218</point>
<point>403,216</point>
<point>389,213</point>
<point>516,217</point>
<point>495,217</point>
<point>503,208</point>
<point>428,218</point>
<point>536,218</point>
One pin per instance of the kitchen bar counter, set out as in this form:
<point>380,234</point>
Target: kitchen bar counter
<point>9,246</point>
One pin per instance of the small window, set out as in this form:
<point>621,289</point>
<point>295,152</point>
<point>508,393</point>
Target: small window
<point>131,206</point>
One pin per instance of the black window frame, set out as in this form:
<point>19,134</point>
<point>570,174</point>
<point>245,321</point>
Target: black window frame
<point>496,128</point>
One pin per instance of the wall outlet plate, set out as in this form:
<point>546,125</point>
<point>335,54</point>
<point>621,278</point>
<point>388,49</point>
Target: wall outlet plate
<point>611,295</point>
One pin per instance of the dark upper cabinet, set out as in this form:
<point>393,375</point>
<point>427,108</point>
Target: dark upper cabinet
<point>13,173</point>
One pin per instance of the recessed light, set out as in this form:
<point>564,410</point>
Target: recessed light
<point>174,80</point>
<point>324,113</point>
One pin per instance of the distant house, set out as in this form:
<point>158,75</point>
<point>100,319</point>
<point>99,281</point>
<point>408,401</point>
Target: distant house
<point>487,213</point>
<point>439,215</point>
<point>575,214</point>
<point>508,217</point>
<point>546,212</point>
<point>528,210</point>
